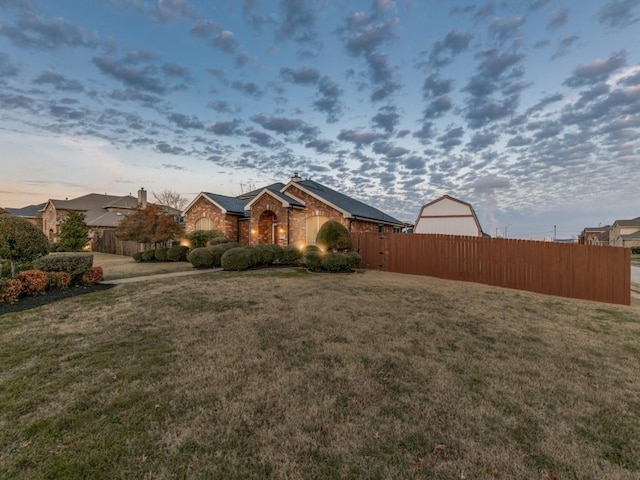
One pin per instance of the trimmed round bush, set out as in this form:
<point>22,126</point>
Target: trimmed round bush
<point>218,241</point>
<point>161,254</point>
<point>76,264</point>
<point>94,275</point>
<point>312,260</point>
<point>218,250</point>
<point>311,248</point>
<point>177,253</point>
<point>201,257</point>
<point>137,256</point>
<point>201,238</point>
<point>238,258</point>
<point>334,236</point>
<point>290,255</point>
<point>59,280</point>
<point>149,256</point>
<point>34,282</point>
<point>255,256</point>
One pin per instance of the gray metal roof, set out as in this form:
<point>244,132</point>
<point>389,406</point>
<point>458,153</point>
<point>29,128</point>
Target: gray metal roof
<point>348,204</point>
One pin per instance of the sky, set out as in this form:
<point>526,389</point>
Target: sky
<point>527,109</point>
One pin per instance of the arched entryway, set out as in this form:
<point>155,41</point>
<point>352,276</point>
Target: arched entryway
<point>268,227</point>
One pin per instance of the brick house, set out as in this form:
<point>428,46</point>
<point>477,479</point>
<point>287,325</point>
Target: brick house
<point>625,233</point>
<point>288,214</point>
<point>595,236</point>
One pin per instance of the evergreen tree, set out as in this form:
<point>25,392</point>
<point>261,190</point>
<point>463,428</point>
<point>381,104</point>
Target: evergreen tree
<point>20,241</point>
<point>73,232</point>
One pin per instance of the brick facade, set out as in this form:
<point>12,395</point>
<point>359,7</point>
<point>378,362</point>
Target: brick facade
<point>203,208</point>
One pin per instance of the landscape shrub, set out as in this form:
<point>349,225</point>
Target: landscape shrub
<point>201,238</point>
<point>290,255</point>
<point>236,259</point>
<point>334,236</point>
<point>334,262</point>
<point>161,254</point>
<point>218,241</point>
<point>10,291</point>
<point>201,257</point>
<point>353,259</point>
<point>311,248</point>
<point>177,253</point>
<point>34,282</point>
<point>20,241</point>
<point>137,256</point>
<point>312,260</point>
<point>149,256</point>
<point>94,275</point>
<point>59,280</point>
<point>271,253</point>
<point>218,250</point>
<point>5,269</point>
<point>255,256</point>
<point>75,264</point>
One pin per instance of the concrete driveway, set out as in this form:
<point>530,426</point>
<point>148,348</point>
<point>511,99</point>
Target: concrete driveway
<point>635,274</point>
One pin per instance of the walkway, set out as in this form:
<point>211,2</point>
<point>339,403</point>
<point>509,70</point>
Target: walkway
<point>160,276</point>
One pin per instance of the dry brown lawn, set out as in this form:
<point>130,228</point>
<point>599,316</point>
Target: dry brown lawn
<point>284,374</point>
<point>117,266</point>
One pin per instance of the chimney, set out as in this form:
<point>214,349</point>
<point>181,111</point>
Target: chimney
<point>295,177</point>
<point>142,198</point>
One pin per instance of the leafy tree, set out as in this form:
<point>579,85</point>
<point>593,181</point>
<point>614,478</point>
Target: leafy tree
<point>73,232</point>
<point>334,236</point>
<point>20,241</point>
<point>149,225</point>
<point>172,199</point>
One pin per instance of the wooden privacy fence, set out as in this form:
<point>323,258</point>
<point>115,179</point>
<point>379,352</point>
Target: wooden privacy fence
<point>105,241</point>
<point>567,270</point>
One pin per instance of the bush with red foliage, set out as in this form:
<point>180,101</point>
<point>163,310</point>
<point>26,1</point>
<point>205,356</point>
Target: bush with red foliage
<point>94,275</point>
<point>34,282</point>
<point>10,291</point>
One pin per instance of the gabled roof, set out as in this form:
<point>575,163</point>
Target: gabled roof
<point>604,228</point>
<point>350,207</point>
<point>286,200</point>
<point>232,205</point>
<point>634,222</point>
<point>100,218</point>
<point>457,200</point>
<point>30,211</point>
<point>94,201</point>
<point>631,236</point>
<point>275,187</point>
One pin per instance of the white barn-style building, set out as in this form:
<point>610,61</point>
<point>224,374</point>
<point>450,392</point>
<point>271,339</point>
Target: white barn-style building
<point>448,216</point>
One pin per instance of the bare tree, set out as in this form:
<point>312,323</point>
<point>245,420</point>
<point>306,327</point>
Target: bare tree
<point>169,198</point>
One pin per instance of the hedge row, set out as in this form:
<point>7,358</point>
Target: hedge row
<point>75,264</point>
<point>317,261</point>
<point>177,253</point>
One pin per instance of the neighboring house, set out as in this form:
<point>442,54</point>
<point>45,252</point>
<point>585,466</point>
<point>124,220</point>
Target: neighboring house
<point>449,216</point>
<point>102,212</point>
<point>288,214</point>
<point>625,233</point>
<point>32,213</point>
<point>595,236</point>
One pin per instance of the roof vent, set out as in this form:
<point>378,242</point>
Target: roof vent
<point>295,177</point>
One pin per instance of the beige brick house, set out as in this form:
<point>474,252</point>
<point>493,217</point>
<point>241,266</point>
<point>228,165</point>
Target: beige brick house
<point>625,233</point>
<point>288,214</point>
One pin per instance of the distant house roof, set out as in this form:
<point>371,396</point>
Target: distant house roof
<point>634,222</point>
<point>604,228</point>
<point>93,201</point>
<point>29,212</point>
<point>631,236</point>
<point>351,206</point>
<point>275,187</point>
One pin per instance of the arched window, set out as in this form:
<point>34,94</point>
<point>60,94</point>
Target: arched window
<point>313,225</point>
<point>204,223</point>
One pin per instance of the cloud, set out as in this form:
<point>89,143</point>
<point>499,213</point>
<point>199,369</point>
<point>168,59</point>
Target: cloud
<point>226,41</point>
<point>156,11</point>
<point>185,122</point>
<point>389,150</point>
<point>543,102</point>
<point>59,82</point>
<point>251,13</point>
<point>558,19</point>
<point>387,118</point>
<point>135,70</point>
<point>7,67</point>
<point>482,140</point>
<point>35,32</point>
<point>444,51</point>
<point>589,74</point>
<point>619,13</point>
<point>298,21</point>
<point>205,28</point>
<point>225,128</point>
<point>164,147</point>
<point>261,138</point>
<point>328,99</point>
<point>222,106</point>
<point>451,138</point>
<point>302,76</point>
<point>564,46</point>
<point>130,94</point>
<point>287,126</point>
<point>503,30</point>
<point>320,145</point>
<point>360,138</point>
<point>249,88</point>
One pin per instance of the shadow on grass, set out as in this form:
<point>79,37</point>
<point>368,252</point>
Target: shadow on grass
<point>27,303</point>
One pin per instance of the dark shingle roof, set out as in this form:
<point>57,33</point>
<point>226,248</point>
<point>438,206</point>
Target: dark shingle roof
<point>232,205</point>
<point>30,211</point>
<point>631,236</point>
<point>286,198</point>
<point>634,222</point>
<point>348,204</point>
<point>274,187</point>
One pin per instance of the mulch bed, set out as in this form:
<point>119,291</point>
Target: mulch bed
<point>27,303</point>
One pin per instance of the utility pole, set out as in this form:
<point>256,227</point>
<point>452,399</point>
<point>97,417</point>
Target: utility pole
<point>554,233</point>
<point>505,230</point>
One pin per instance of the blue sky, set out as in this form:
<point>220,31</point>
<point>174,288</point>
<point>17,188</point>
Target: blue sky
<point>528,109</point>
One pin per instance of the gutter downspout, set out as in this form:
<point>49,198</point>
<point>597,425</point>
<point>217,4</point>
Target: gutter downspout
<point>289,226</point>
